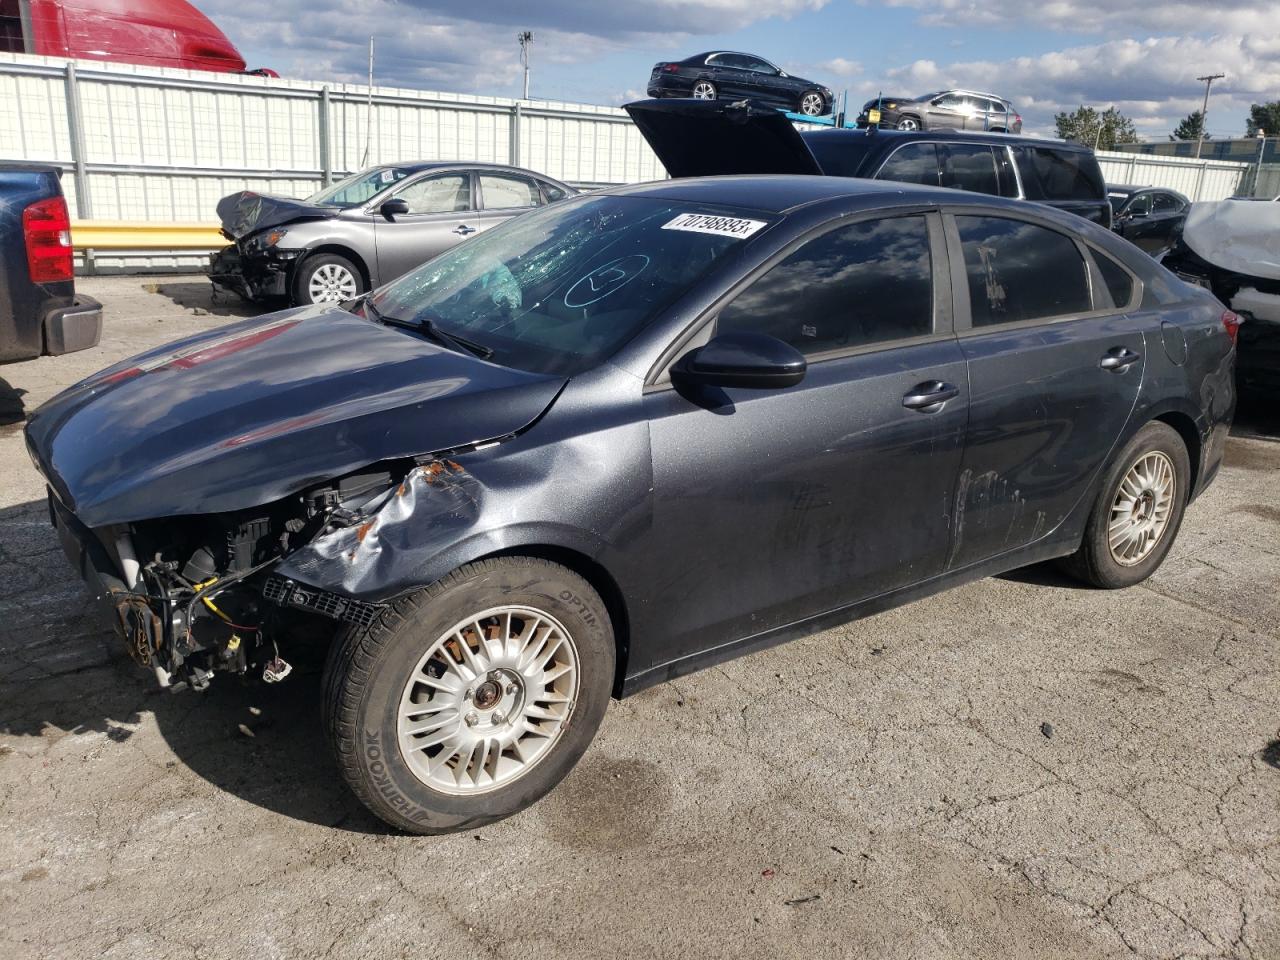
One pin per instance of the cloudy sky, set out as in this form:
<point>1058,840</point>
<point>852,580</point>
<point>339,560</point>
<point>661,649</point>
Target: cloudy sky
<point>1138,55</point>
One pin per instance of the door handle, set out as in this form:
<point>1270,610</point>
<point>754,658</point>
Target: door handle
<point>928,397</point>
<point>463,230</point>
<point>1118,359</point>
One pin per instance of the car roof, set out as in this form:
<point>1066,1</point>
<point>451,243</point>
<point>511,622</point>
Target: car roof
<point>418,166</point>
<point>22,166</point>
<point>782,193</point>
<point>737,53</point>
<point>873,138</point>
<point>1133,188</point>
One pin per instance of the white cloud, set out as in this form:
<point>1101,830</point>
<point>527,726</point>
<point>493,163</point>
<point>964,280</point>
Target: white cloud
<point>1152,81</point>
<point>1242,17</point>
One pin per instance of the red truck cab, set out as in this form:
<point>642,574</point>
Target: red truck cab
<point>157,33</point>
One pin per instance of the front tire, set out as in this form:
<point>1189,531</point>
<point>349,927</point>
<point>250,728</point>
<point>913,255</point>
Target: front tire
<point>704,90</point>
<point>327,278</point>
<point>469,700</point>
<point>909,123</point>
<point>1139,509</point>
<point>812,104</point>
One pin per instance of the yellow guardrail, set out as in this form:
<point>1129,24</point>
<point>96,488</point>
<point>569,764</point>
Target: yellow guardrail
<point>132,235</point>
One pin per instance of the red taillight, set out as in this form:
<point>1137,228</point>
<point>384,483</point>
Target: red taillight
<point>1231,323</point>
<point>46,226</point>
<point>671,68</point>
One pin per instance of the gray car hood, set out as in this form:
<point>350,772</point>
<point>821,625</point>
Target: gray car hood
<point>247,212</point>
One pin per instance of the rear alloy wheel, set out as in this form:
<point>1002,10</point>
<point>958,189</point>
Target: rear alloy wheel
<point>327,278</point>
<point>1138,511</point>
<point>704,90</point>
<point>812,104</point>
<point>908,123</point>
<point>466,702</point>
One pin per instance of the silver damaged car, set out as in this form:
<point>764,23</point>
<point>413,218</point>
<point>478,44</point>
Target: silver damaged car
<point>366,230</point>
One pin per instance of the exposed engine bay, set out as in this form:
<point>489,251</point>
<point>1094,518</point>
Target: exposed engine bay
<point>199,595</point>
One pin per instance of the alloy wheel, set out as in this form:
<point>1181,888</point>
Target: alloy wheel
<point>908,123</point>
<point>488,700</point>
<point>331,283</point>
<point>1141,509</point>
<point>702,90</point>
<point>811,105</point>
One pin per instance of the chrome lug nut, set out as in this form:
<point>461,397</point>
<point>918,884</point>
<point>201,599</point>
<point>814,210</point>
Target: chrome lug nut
<point>511,689</point>
<point>498,718</point>
<point>472,719</point>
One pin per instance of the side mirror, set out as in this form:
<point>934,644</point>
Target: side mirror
<point>740,359</point>
<point>395,207</point>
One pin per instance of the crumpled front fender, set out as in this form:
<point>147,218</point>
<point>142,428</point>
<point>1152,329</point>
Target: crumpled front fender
<point>433,522</point>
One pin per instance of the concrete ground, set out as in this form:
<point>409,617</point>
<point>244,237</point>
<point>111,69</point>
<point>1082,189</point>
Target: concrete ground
<point>1018,768</point>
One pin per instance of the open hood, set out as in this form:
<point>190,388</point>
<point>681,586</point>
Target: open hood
<point>1238,235</point>
<point>707,138</point>
<point>249,413</point>
<point>248,212</point>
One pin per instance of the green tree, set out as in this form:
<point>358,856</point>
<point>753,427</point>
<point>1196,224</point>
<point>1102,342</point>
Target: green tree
<point>1106,130</point>
<point>1189,128</point>
<point>1264,116</point>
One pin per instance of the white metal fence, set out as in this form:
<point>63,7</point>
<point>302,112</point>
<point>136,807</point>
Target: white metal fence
<point>150,144</point>
<point>1196,179</point>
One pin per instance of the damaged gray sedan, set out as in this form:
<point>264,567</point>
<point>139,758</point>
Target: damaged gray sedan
<point>626,437</point>
<point>366,230</point>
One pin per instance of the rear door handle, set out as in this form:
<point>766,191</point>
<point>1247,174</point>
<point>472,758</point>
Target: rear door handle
<point>463,230</point>
<point>1118,358</point>
<point>928,397</point>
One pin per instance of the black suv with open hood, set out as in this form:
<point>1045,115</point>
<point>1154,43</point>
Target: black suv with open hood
<point>696,139</point>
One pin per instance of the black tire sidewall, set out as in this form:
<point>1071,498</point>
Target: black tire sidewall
<point>302,276</point>
<point>390,786</point>
<point>1102,568</point>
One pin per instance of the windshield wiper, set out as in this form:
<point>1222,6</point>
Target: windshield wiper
<point>432,330</point>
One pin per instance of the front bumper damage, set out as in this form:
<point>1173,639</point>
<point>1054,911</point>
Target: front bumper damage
<point>253,272</point>
<point>194,596</point>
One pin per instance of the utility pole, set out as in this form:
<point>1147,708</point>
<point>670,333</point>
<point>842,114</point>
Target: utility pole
<point>368,126</point>
<point>526,40</point>
<point>1204,111</point>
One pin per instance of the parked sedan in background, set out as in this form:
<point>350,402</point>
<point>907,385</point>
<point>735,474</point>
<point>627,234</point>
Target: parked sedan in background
<point>726,75</point>
<point>1150,218</point>
<point>946,109</point>
<point>367,229</point>
<point>625,437</point>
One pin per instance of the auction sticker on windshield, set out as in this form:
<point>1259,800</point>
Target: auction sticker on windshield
<point>720,226</point>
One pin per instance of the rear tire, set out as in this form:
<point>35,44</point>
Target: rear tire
<point>327,278</point>
<point>1137,513</point>
<point>402,692</point>
<point>704,90</point>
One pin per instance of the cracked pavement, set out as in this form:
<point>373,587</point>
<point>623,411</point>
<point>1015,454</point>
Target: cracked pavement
<point>1018,768</point>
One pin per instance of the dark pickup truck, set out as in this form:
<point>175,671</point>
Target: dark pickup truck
<point>39,310</point>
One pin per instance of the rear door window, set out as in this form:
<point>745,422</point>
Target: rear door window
<point>969,166</point>
<point>1118,280</point>
<point>1019,271</point>
<point>913,163</point>
<point>1066,174</point>
<point>1165,203</point>
<point>500,192</point>
<point>866,283</point>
